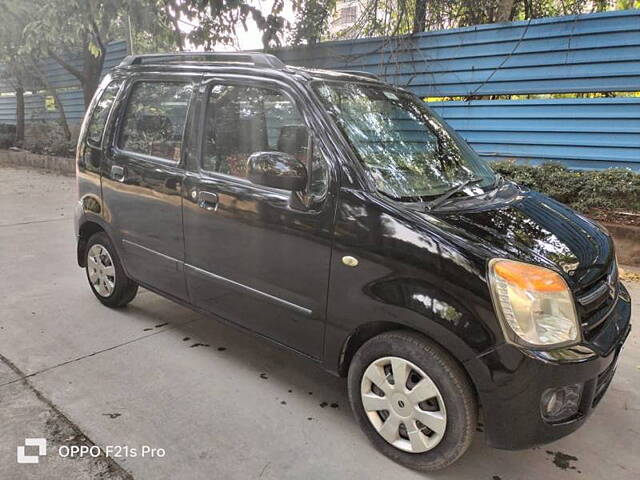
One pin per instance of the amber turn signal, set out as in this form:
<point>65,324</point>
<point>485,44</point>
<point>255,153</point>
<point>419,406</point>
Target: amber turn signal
<point>530,277</point>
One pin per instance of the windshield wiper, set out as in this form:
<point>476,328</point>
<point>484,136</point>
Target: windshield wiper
<point>452,191</point>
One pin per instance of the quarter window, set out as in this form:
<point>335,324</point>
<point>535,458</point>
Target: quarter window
<point>101,112</point>
<point>155,118</point>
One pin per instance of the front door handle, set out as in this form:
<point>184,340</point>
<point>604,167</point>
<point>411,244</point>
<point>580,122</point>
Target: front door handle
<point>208,201</point>
<point>117,173</point>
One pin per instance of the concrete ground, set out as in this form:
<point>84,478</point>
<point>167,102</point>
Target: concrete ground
<point>221,403</point>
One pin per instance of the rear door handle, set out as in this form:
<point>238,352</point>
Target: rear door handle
<point>117,173</point>
<point>208,201</point>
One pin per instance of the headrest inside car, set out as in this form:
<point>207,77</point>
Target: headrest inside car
<point>154,125</point>
<point>293,140</point>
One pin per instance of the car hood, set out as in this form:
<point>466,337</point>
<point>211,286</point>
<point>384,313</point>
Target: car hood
<point>534,228</point>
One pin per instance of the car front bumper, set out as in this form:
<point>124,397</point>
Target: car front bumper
<point>510,402</point>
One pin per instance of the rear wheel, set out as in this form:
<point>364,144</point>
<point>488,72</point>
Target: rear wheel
<point>106,276</point>
<point>412,400</point>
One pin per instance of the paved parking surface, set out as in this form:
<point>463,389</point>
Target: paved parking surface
<point>221,403</point>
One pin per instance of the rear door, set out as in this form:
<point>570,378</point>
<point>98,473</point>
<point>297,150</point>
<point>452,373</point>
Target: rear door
<point>259,256</point>
<point>142,181</point>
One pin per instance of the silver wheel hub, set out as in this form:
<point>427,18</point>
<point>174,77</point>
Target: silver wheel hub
<point>403,404</point>
<point>102,273</point>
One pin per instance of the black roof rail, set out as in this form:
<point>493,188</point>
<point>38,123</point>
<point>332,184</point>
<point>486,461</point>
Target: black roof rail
<point>256,59</point>
<point>373,76</point>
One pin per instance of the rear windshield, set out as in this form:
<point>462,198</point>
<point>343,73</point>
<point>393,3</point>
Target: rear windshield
<point>408,150</point>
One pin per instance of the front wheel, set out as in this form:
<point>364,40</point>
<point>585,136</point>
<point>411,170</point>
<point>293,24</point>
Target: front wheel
<point>413,400</point>
<point>106,276</point>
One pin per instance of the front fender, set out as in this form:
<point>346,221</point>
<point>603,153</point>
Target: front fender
<point>389,303</point>
<point>408,276</point>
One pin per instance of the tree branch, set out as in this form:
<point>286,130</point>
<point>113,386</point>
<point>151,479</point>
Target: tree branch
<point>98,37</point>
<point>173,18</point>
<point>67,66</point>
<point>62,117</point>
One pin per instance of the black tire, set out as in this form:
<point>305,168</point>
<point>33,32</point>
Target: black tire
<point>450,380</point>
<point>124,289</point>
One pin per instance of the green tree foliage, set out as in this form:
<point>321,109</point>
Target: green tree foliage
<point>32,30</point>
<point>312,18</point>
<point>64,29</point>
<point>215,22</point>
<point>402,17</point>
<point>15,71</point>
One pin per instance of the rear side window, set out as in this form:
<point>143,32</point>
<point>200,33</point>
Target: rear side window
<point>100,114</point>
<point>155,118</point>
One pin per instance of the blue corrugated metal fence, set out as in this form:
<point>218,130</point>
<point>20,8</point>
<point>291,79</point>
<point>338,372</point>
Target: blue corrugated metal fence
<point>582,133</point>
<point>584,53</point>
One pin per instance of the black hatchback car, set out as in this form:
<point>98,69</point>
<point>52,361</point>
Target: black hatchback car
<point>340,217</point>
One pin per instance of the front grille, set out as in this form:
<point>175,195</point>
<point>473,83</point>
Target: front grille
<point>597,301</point>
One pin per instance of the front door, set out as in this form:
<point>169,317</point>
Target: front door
<point>259,256</point>
<point>142,183</point>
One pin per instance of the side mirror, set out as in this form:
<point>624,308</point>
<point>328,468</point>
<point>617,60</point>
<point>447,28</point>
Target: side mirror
<point>277,170</point>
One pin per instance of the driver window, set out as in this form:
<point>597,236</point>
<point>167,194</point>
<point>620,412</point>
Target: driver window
<point>242,120</point>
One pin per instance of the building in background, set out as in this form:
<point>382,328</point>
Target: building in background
<point>344,18</point>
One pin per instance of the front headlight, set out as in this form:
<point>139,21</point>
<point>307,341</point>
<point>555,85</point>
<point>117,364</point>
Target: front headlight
<point>534,305</point>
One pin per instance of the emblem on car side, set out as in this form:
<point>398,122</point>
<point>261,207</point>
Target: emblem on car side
<point>569,268</point>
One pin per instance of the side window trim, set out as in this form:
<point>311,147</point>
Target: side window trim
<point>148,158</point>
<point>316,144</point>
<point>124,95</point>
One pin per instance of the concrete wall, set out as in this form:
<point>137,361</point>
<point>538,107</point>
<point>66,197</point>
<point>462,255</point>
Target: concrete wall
<point>22,158</point>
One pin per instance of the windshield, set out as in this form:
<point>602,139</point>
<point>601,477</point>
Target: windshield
<point>409,151</point>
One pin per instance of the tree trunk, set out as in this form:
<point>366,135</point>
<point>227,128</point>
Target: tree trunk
<point>62,116</point>
<point>19,115</point>
<point>504,10</point>
<point>89,77</point>
<point>92,67</point>
<point>51,90</point>
<point>420,16</point>
<point>173,18</point>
